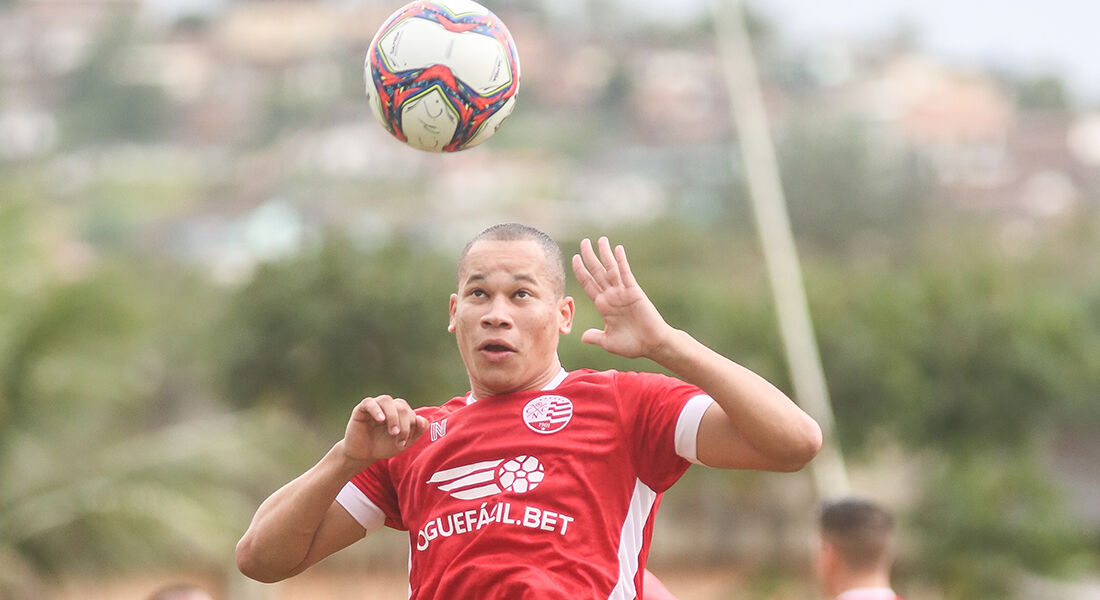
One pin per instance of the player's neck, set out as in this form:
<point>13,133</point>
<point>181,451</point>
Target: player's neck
<point>547,379</point>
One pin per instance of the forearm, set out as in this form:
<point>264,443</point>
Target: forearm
<point>761,414</point>
<point>285,526</point>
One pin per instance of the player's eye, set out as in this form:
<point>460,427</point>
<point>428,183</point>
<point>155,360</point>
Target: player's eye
<point>523,294</point>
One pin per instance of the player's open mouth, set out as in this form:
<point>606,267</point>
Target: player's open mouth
<point>496,351</point>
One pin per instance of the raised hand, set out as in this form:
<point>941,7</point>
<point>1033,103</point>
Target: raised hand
<point>632,326</point>
<point>381,427</point>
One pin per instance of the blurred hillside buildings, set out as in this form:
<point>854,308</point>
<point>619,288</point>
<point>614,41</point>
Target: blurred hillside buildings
<point>226,77</point>
<point>261,104</point>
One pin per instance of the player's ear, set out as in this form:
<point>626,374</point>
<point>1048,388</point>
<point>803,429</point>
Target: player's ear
<point>451,308</point>
<point>567,308</point>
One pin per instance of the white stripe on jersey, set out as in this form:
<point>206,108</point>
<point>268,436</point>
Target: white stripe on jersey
<point>456,472</point>
<point>630,540</point>
<point>687,427</point>
<point>361,508</point>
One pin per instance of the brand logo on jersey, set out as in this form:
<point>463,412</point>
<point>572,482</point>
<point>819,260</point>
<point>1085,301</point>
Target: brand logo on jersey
<point>439,429</point>
<point>486,478</point>
<point>548,414</point>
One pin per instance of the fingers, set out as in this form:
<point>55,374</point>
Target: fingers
<point>591,265</point>
<point>624,267</point>
<point>608,269</point>
<point>588,284</point>
<point>594,337</point>
<point>396,416</point>
<point>607,260</point>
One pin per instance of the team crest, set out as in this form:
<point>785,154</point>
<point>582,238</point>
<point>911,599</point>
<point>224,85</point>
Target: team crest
<point>548,414</point>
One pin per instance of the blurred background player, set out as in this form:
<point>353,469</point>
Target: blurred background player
<point>857,550</point>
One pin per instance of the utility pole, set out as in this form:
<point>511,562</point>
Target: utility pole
<point>770,210</point>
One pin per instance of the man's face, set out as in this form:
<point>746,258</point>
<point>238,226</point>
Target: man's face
<point>507,316</point>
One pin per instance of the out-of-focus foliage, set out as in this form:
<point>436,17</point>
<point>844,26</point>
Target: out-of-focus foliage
<point>111,96</point>
<point>959,348</point>
<point>844,194</point>
<point>1043,92</point>
<point>319,332</point>
<point>112,455</point>
<point>986,515</point>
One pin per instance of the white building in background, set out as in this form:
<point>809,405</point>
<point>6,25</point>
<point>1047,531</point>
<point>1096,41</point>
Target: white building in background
<point>959,121</point>
<point>26,133</point>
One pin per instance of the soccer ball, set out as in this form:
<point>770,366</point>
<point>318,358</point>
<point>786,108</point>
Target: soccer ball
<point>520,474</point>
<point>442,75</point>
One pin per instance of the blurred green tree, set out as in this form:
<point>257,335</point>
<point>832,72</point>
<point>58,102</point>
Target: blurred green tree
<point>110,98</point>
<point>318,332</point>
<point>1045,91</point>
<point>958,349</point>
<point>987,515</point>
<point>845,193</point>
<point>111,455</point>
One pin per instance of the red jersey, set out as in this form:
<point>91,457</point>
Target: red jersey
<point>541,494</point>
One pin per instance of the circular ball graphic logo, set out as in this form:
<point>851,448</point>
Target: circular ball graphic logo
<point>520,474</point>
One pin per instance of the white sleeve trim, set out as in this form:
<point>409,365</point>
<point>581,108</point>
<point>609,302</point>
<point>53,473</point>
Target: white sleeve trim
<point>361,508</point>
<point>687,427</point>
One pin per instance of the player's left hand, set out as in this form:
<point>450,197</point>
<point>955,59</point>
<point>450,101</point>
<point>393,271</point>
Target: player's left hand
<point>632,325</point>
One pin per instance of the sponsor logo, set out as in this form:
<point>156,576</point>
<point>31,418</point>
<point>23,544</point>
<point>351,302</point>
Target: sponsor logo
<point>518,475</point>
<point>500,514</point>
<point>486,478</point>
<point>548,414</point>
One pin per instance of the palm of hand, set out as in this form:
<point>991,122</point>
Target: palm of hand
<point>629,319</point>
<point>632,325</point>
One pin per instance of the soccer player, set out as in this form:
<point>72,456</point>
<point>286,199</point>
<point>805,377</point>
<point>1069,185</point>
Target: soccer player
<point>539,482</point>
<point>857,550</point>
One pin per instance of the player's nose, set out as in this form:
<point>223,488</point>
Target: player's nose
<point>498,313</point>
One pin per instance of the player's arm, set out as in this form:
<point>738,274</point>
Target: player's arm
<point>752,425</point>
<point>301,523</point>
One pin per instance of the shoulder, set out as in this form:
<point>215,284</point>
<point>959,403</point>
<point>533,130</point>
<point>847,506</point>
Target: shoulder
<point>618,378</point>
<point>442,410</point>
<point>626,385</point>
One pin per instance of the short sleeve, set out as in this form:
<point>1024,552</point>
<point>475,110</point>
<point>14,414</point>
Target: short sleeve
<point>371,492</point>
<point>652,407</point>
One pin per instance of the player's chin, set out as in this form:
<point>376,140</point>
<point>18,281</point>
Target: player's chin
<point>500,379</point>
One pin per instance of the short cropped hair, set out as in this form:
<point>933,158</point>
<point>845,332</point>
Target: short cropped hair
<point>860,531</point>
<point>513,232</point>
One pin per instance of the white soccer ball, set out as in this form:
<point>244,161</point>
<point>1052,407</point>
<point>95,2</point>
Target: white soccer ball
<point>442,75</point>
